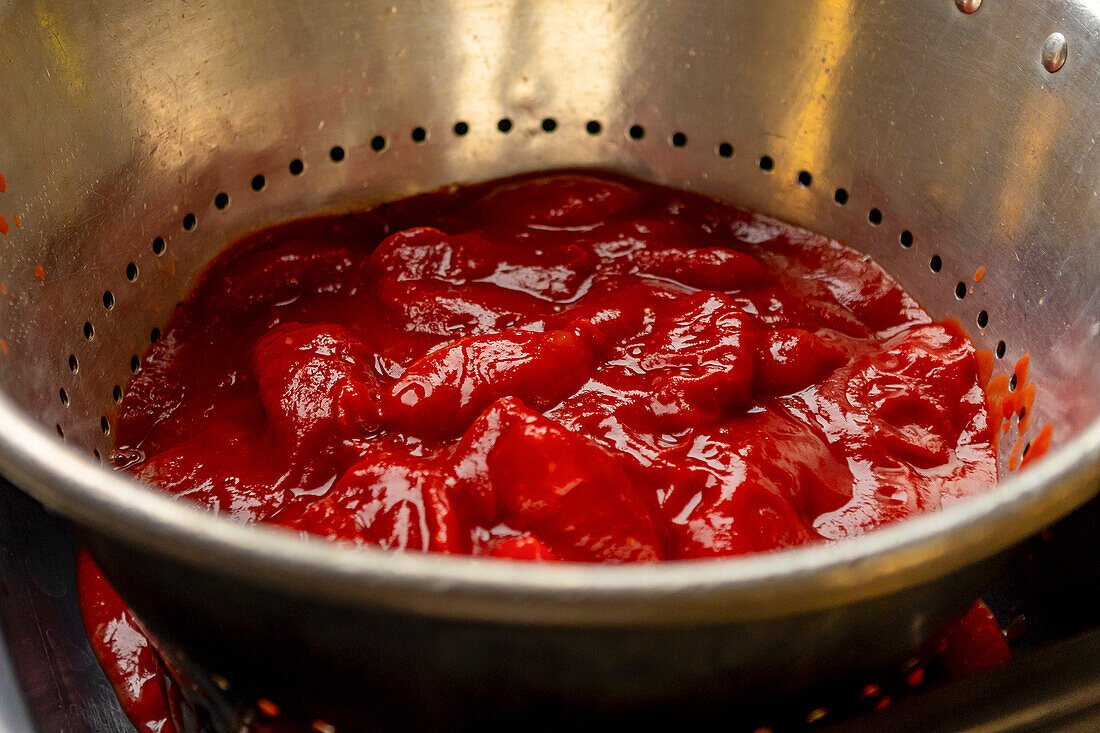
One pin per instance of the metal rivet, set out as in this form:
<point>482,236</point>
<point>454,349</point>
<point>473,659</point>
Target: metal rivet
<point>1054,52</point>
<point>968,6</point>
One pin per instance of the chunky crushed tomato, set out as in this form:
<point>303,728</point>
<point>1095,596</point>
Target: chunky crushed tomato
<point>557,367</point>
<point>566,366</point>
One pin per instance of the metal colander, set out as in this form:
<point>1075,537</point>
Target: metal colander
<point>957,148</point>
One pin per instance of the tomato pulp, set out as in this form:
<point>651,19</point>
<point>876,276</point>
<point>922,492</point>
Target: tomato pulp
<point>564,366</point>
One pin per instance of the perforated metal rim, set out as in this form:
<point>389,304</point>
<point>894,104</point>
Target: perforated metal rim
<point>219,201</point>
<point>171,525</point>
<point>682,77</point>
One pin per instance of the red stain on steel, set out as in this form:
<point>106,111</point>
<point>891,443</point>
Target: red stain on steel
<point>1021,369</point>
<point>995,393</point>
<point>1014,456</point>
<point>3,184</point>
<point>4,347</point>
<point>40,273</point>
<point>979,274</point>
<point>984,360</point>
<point>17,221</point>
<point>1008,399</point>
<point>1020,402</point>
<point>1025,402</point>
<point>1040,445</point>
<point>3,225</point>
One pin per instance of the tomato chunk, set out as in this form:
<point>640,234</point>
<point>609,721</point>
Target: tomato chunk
<point>445,390</point>
<point>396,502</point>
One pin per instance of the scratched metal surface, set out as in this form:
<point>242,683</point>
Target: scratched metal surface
<point>13,708</point>
<point>122,118</point>
<point>47,669</point>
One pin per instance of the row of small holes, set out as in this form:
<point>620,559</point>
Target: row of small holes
<point>840,196</point>
<point>337,154</point>
<point>461,128</point>
<point>875,217</point>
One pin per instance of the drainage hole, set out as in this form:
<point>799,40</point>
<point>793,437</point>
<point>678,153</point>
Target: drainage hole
<point>504,125</point>
<point>983,319</point>
<point>189,222</point>
<point>725,150</point>
<point>135,364</point>
<point>221,200</point>
<point>60,432</point>
<point>960,291</point>
<point>678,139</point>
<point>636,132</point>
<point>89,332</point>
<point>419,135</point>
<point>841,196</point>
<point>935,264</point>
<point>297,167</point>
<point>74,365</point>
<point>258,182</point>
<point>875,217</point>
<point>108,300</point>
<point>336,154</point>
<point>766,163</point>
<point>64,397</point>
<point>159,246</point>
<point>116,394</point>
<point>549,124</point>
<point>105,425</point>
<point>906,239</point>
<point>805,179</point>
<point>154,336</point>
<point>461,128</point>
<point>593,127</point>
<point>1002,349</point>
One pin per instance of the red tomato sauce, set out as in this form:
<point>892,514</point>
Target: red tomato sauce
<point>560,367</point>
<point>567,366</point>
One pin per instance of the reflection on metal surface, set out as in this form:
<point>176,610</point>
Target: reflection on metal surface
<point>1028,187</point>
<point>65,52</point>
<point>968,6</point>
<point>60,684</point>
<point>810,126</point>
<point>13,709</point>
<point>943,123</point>
<point>1055,49</point>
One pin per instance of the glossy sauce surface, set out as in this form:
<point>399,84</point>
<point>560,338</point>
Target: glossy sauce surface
<point>568,366</point>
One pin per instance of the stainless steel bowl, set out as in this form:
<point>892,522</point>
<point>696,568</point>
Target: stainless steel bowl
<point>923,130</point>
